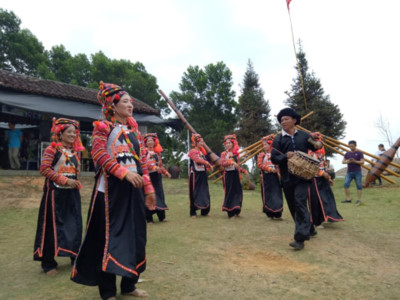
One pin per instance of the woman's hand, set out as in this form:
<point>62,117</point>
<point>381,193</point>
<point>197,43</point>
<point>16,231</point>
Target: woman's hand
<point>134,178</point>
<point>150,201</point>
<point>289,154</point>
<point>73,183</point>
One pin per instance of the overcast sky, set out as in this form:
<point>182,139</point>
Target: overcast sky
<point>353,47</point>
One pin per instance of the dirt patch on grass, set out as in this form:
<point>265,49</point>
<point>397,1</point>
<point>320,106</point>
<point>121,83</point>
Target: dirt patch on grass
<point>250,261</point>
<point>27,191</point>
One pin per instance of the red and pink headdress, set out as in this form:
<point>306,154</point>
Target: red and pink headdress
<point>157,146</point>
<point>318,137</point>
<point>58,127</point>
<point>195,140</point>
<point>108,94</point>
<point>269,138</point>
<point>232,138</point>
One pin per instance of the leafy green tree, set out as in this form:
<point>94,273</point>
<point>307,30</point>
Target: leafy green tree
<point>254,110</point>
<point>207,101</point>
<point>327,117</point>
<point>61,63</point>
<point>20,50</point>
<point>132,76</point>
<point>81,70</point>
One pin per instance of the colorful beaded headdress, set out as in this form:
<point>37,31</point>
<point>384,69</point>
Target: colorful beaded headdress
<point>232,138</point>
<point>107,94</point>
<point>269,138</point>
<point>157,146</point>
<point>58,127</point>
<point>195,139</point>
<point>318,137</point>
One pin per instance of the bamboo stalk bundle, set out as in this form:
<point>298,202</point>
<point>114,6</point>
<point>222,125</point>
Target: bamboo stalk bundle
<point>332,143</point>
<point>365,167</point>
<point>346,145</point>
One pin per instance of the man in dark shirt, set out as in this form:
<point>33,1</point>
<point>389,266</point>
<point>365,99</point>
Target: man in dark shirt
<point>294,188</point>
<point>354,159</point>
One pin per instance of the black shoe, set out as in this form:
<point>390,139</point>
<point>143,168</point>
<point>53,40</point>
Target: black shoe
<point>314,233</point>
<point>297,245</point>
<point>346,201</point>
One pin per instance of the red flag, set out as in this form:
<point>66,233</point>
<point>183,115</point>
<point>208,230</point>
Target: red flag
<point>288,2</point>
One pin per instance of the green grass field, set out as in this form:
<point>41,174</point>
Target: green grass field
<point>215,258</point>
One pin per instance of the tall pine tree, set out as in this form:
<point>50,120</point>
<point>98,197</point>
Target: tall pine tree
<point>327,117</point>
<point>254,110</point>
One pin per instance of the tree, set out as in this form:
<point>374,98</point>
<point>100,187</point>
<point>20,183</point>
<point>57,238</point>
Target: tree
<point>132,76</point>
<point>20,50</point>
<point>254,110</point>
<point>61,63</point>
<point>207,101</point>
<point>383,127</point>
<point>81,70</point>
<point>327,117</point>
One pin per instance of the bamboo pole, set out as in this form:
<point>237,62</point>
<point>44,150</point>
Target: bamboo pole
<point>365,159</point>
<point>331,143</point>
<point>255,153</point>
<point>365,167</point>
<point>327,138</point>
<point>256,144</point>
<point>214,158</point>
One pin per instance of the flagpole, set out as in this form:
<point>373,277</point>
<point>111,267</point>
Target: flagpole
<point>295,53</point>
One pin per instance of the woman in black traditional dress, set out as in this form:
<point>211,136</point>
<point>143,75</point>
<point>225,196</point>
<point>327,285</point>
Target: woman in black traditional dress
<point>156,170</point>
<point>231,179</point>
<point>321,199</point>
<point>59,228</point>
<point>115,238</point>
<point>199,193</point>
<point>271,191</point>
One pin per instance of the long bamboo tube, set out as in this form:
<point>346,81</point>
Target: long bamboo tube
<point>327,138</point>
<point>364,152</point>
<point>251,147</point>
<point>250,150</point>
<point>331,142</point>
<point>382,164</point>
<point>365,167</point>
<point>365,159</point>
<point>214,158</point>
<point>246,159</point>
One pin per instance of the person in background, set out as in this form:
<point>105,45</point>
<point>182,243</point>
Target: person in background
<point>156,170</point>
<point>199,194</point>
<point>354,159</point>
<point>233,192</point>
<point>115,238</point>
<point>59,227</point>
<point>14,143</point>
<point>381,150</point>
<point>271,191</point>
